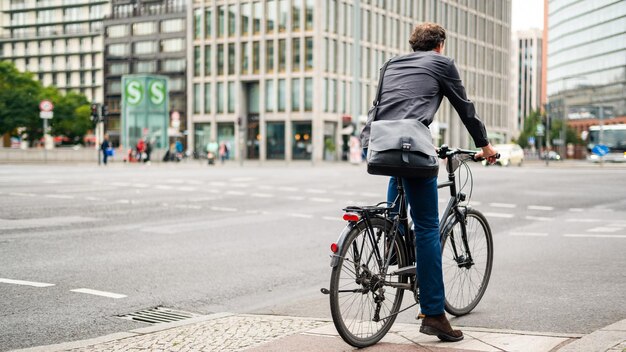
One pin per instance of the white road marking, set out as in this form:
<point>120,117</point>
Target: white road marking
<point>223,209</point>
<point>22,194</point>
<point>52,181</point>
<point>239,185</point>
<point>288,189</point>
<point>218,183</point>
<point>538,218</point>
<point>257,212</point>
<point>236,193</point>
<point>265,187</point>
<point>593,236</point>
<point>98,293</point>
<point>319,191</point>
<point>164,187</point>
<point>327,200</point>
<point>539,207</point>
<point>97,199</point>
<point>605,229</point>
<point>185,206</point>
<point>212,191</point>
<point>298,215</point>
<point>123,201</point>
<point>295,198</point>
<point>332,218</point>
<point>577,210</point>
<point>194,182</point>
<point>186,189</point>
<point>583,220</point>
<point>499,215</point>
<point>26,283</point>
<point>59,196</point>
<point>120,184</point>
<point>531,234</point>
<point>243,179</point>
<point>502,205</point>
<point>140,185</point>
<point>262,195</point>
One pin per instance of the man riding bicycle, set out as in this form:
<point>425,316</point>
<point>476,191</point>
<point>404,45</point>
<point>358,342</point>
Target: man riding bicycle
<point>413,88</point>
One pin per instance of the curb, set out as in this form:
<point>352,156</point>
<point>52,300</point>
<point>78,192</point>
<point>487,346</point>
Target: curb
<point>608,338</point>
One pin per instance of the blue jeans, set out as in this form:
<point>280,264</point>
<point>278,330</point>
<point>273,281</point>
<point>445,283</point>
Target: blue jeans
<point>422,196</point>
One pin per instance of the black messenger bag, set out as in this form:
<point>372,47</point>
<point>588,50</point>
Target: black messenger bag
<point>400,148</point>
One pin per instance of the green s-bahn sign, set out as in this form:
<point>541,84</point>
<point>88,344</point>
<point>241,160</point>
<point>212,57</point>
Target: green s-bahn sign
<point>145,109</point>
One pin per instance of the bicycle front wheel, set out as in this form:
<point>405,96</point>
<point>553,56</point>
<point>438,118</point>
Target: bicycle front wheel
<point>467,258</point>
<point>363,299</point>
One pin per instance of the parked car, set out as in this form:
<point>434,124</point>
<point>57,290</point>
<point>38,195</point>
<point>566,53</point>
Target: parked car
<point>509,154</point>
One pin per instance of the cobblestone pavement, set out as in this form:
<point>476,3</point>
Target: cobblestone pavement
<point>232,333</point>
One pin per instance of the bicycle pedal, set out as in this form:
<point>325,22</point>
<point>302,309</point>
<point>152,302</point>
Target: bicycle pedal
<point>420,316</point>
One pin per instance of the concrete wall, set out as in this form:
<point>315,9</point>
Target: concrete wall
<point>8,155</point>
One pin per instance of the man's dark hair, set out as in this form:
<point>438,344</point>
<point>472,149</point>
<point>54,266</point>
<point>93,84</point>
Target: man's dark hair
<point>427,36</point>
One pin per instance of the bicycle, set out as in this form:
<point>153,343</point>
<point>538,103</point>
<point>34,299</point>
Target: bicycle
<point>373,263</point>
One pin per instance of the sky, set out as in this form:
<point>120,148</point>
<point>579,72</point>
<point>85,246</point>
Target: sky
<point>527,14</point>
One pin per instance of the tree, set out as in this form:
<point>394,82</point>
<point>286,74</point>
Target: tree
<point>71,116</point>
<point>530,128</point>
<point>19,101</point>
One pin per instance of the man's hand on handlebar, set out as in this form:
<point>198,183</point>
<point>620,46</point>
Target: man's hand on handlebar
<point>489,153</point>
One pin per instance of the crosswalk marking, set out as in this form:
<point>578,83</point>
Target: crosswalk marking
<point>99,293</point>
<point>593,235</point>
<point>531,234</point>
<point>499,215</point>
<point>25,283</point>
<point>539,207</point>
<point>502,205</point>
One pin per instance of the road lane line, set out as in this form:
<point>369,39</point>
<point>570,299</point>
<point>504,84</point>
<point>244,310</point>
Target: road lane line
<point>539,207</point>
<point>97,199</point>
<point>265,187</point>
<point>538,218</point>
<point>212,191</point>
<point>576,210</point>
<point>345,193</point>
<point>236,193</point>
<point>98,293</point>
<point>22,194</point>
<point>499,215</point>
<point>123,184</point>
<point>531,234</point>
<point>59,196</point>
<point>298,215</point>
<point>262,195</point>
<point>164,187</point>
<point>25,283</point>
<point>288,189</point>
<point>123,201</point>
<point>319,191</point>
<point>605,229</point>
<point>593,236</point>
<point>140,185</point>
<point>502,205</point>
<point>583,220</point>
<point>295,198</point>
<point>223,209</point>
<point>186,189</point>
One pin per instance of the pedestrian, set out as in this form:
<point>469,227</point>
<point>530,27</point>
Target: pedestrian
<point>140,148</point>
<point>223,152</point>
<point>105,148</point>
<point>148,151</point>
<point>413,88</point>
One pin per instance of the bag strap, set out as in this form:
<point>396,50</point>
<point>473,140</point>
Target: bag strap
<point>380,86</point>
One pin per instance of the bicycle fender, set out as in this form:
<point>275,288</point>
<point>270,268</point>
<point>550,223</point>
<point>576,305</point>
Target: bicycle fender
<point>334,258</point>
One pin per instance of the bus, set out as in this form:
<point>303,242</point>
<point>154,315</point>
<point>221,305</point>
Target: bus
<point>612,136</point>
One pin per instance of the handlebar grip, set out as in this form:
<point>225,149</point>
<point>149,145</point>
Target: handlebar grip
<point>481,159</point>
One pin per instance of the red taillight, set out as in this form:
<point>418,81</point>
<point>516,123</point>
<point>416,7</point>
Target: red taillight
<point>351,217</point>
<point>334,247</point>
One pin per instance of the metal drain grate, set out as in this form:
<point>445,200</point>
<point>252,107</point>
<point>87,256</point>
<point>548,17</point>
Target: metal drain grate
<point>158,315</point>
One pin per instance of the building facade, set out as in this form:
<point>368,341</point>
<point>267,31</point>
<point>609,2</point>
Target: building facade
<point>146,37</point>
<point>59,41</point>
<point>278,79</point>
<point>526,75</point>
<point>586,60</point>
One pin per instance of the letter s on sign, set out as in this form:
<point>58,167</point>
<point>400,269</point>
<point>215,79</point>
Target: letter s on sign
<point>157,92</point>
<point>134,92</point>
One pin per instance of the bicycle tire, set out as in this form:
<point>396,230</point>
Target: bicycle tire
<point>349,310</point>
<point>465,283</point>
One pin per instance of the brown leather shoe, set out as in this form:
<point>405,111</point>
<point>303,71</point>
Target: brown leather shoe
<point>439,326</point>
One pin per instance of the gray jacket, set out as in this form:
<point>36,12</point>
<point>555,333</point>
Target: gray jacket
<point>413,87</point>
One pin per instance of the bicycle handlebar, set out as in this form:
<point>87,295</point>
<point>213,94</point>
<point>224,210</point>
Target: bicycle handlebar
<point>444,152</point>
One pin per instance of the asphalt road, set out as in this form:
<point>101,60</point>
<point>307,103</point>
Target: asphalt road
<point>112,241</point>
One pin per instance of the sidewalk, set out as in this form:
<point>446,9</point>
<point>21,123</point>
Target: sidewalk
<point>267,333</point>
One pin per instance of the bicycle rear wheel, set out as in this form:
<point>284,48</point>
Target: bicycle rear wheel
<point>467,258</point>
<point>362,303</point>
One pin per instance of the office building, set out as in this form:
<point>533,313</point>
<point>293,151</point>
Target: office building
<point>278,79</point>
<point>587,61</point>
<point>526,75</point>
<point>59,41</point>
<point>146,37</point>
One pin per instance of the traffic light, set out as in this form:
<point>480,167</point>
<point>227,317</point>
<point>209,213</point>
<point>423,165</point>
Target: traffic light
<point>95,113</point>
<point>105,111</point>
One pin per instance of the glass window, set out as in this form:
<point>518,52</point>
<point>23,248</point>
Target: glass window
<point>231,59</point>
<point>283,9</point>
<point>220,97</point>
<point>309,15</point>
<point>197,98</point>
<point>256,57</point>
<point>295,48</point>
<point>232,97</point>
<point>269,56</point>
<point>207,60</point>
<point>232,15</point>
<point>295,94</point>
<point>220,59</point>
<point>145,67</point>
<point>207,98</point>
<point>275,137</point>
<point>172,45</point>
<point>258,15</point>
<point>118,49</point>
<point>296,15</point>
<point>196,61</point>
<point>245,46</point>
<point>202,137</point>
<point>309,53</point>
<point>269,95</point>
<point>173,25</point>
<point>145,47</point>
<point>282,55</point>
<point>177,84</point>
<point>144,28</point>
<point>220,21</point>
<point>281,95</point>
<point>308,94</point>
<point>173,65</point>
<point>197,23</point>
<point>208,23</point>
<point>270,16</point>
<point>302,148</point>
<point>245,18</point>
<point>117,31</point>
